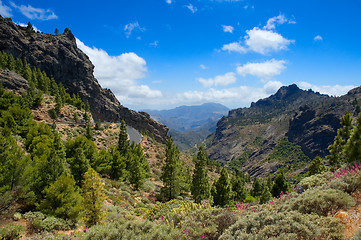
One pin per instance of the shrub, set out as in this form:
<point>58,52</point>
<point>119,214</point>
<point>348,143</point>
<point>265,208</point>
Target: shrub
<point>321,202</point>
<point>315,180</point>
<point>267,224</point>
<point>209,223</point>
<point>11,232</point>
<point>50,223</point>
<point>129,230</point>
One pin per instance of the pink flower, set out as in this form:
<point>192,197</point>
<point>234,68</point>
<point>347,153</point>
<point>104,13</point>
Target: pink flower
<point>202,237</point>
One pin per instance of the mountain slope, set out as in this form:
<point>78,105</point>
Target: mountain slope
<point>248,136</point>
<point>59,57</point>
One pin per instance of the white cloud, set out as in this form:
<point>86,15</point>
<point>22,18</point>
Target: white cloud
<point>120,74</point>
<point>264,70</point>
<point>318,38</point>
<point>227,28</point>
<point>234,47</point>
<point>204,67</point>
<point>280,19</point>
<point>335,90</point>
<point>221,80</point>
<point>168,1</point>
<point>5,11</point>
<point>35,13</point>
<point>259,41</point>
<point>272,86</point>
<point>130,27</point>
<point>265,41</point>
<point>192,8</point>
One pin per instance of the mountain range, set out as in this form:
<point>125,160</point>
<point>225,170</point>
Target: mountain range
<point>189,125</point>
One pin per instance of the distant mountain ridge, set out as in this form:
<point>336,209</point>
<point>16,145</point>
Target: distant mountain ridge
<point>247,136</point>
<point>59,56</point>
<point>190,124</point>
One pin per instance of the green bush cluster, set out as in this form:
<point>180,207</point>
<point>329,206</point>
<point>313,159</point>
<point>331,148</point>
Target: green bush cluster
<point>268,224</point>
<point>321,202</point>
<point>132,230</point>
<point>11,232</point>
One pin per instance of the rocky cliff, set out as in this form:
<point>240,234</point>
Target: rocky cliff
<point>247,137</point>
<point>59,57</point>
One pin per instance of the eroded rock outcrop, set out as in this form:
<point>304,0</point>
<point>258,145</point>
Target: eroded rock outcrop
<point>59,57</point>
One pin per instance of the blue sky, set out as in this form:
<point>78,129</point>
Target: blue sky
<point>161,54</point>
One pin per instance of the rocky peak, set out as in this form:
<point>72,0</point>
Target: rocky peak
<point>59,57</point>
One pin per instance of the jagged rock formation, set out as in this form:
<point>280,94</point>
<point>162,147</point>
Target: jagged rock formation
<point>247,136</point>
<point>59,57</point>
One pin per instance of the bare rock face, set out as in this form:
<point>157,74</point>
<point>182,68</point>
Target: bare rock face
<point>13,81</point>
<point>59,57</point>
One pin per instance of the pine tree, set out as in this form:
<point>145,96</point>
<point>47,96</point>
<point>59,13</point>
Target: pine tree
<point>116,164</point>
<point>280,184</point>
<point>222,194</point>
<point>62,199</point>
<point>352,150</point>
<point>171,172</point>
<point>136,174</point>
<point>200,184</point>
<point>238,186</point>
<point>257,188</point>
<point>94,196</point>
<point>29,29</point>
<point>343,134</point>
<point>88,132</point>
<point>123,141</point>
<point>316,166</point>
<point>266,195</point>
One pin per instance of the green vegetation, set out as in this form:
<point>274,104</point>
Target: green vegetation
<point>200,183</point>
<point>288,153</point>
<point>57,184</point>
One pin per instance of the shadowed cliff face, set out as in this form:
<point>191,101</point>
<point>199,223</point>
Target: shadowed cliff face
<point>59,57</point>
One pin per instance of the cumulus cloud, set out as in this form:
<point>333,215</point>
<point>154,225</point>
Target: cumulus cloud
<point>259,41</point>
<point>265,41</point>
<point>262,40</point>
<point>227,28</point>
<point>318,38</point>
<point>278,20</point>
<point>130,27</point>
<point>192,8</point>
<point>234,47</point>
<point>221,80</point>
<point>264,70</point>
<point>168,1</point>
<point>5,11</point>
<point>35,13</point>
<point>335,90</point>
<point>120,74</point>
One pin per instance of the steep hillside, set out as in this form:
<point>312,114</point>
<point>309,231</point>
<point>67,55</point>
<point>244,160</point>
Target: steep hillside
<point>59,57</point>
<point>189,125</point>
<point>247,137</point>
